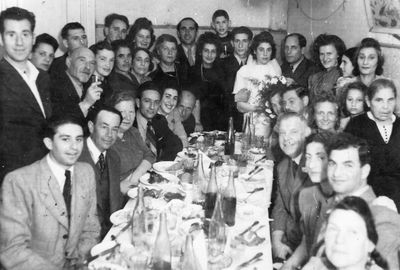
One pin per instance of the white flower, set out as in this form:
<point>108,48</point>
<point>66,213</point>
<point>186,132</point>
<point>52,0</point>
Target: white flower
<point>283,80</point>
<point>274,80</point>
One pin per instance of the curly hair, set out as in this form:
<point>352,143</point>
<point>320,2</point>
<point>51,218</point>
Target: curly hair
<point>139,24</point>
<point>370,43</point>
<point>324,40</point>
<point>208,38</point>
<point>263,37</point>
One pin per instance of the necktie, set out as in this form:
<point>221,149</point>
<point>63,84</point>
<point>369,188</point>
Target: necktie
<point>101,163</point>
<point>190,56</point>
<point>292,68</point>
<point>241,63</point>
<point>151,138</point>
<point>67,191</point>
<point>294,168</point>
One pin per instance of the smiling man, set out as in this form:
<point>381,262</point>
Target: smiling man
<point>285,228</point>
<point>24,93</point>
<point>48,212</point>
<point>187,33</point>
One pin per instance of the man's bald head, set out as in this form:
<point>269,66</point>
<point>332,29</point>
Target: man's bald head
<point>186,104</point>
<point>81,64</point>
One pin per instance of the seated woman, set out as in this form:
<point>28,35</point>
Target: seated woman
<point>352,102</point>
<point>325,111</point>
<point>208,77</point>
<point>169,100</point>
<point>381,129</point>
<point>136,157</point>
<point>263,50</point>
<point>328,50</point>
<point>312,198</point>
<point>351,237</point>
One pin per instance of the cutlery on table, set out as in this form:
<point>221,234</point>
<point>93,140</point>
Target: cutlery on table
<point>254,173</point>
<point>249,228</point>
<point>248,262</point>
<point>262,158</point>
<point>252,192</point>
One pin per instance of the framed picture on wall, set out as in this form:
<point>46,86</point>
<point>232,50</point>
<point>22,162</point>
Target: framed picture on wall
<point>383,16</point>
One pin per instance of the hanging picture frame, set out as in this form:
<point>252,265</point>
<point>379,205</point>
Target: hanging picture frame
<point>383,16</point>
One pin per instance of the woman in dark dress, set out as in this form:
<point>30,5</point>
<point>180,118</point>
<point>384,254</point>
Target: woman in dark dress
<point>381,128</point>
<point>208,76</point>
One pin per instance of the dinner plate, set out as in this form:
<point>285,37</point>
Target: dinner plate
<point>172,179</point>
<point>121,216</point>
<point>163,167</point>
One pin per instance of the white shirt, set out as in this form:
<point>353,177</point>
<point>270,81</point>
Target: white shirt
<point>94,151</point>
<point>58,171</point>
<point>29,76</point>
<point>384,129</point>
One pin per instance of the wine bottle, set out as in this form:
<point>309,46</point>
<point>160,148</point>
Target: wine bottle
<point>230,139</point>
<point>216,233</point>
<point>139,216</point>
<point>189,260</point>
<point>199,181</point>
<point>211,194</point>
<point>229,201</point>
<point>162,250</point>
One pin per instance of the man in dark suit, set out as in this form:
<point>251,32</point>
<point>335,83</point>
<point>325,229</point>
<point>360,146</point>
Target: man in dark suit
<point>242,37</point>
<point>24,94</point>
<point>153,127</point>
<point>285,228</point>
<point>67,88</point>
<point>48,212</point>
<point>103,127</point>
<point>115,27</point>
<point>296,66</point>
<point>73,36</point>
<point>187,102</point>
<point>187,30</point>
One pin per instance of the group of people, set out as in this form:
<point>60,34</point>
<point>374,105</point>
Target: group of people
<point>78,131</point>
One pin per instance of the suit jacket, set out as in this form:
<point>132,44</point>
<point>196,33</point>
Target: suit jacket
<point>286,209</point>
<point>304,70</point>
<point>168,144</point>
<point>387,224</point>
<point>181,57</point>
<point>113,166</point>
<point>21,119</point>
<point>35,232</point>
<point>64,97</point>
<point>58,67</point>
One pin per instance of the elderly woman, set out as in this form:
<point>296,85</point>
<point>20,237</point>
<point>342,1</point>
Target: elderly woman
<point>351,237</point>
<point>263,50</point>
<point>329,49</point>
<point>325,111</point>
<point>136,157</point>
<point>208,76</point>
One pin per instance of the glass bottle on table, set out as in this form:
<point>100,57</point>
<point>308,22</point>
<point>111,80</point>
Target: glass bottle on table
<point>216,233</point>
<point>162,249</point>
<point>139,217</point>
<point>230,139</point>
<point>229,201</point>
<point>189,260</point>
<point>211,194</point>
<point>199,180</point>
<point>247,135</point>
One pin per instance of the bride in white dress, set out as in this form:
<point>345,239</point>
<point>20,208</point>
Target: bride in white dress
<point>263,51</point>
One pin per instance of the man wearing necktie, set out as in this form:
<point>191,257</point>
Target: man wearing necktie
<point>48,209</point>
<point>152,126</point>
<point>285,228</point>
<point>103,128</point>
<point>187,32</point>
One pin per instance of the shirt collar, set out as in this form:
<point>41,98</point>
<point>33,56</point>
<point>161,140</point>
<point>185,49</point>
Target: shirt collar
<point>31,72</point>
<point>239,59</point>
<point>297,159</point>
<point>77,84</point>
<point>94,151</point>
<point>356,193</point>
<point>370,116</point>
<point>297,63</point>
<point>58,170</point>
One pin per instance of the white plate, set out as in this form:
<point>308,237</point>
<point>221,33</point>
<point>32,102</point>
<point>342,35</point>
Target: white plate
<point>163,166</point>
<point>97,249</point>
<point>133,192</point>
<point>172,179</point>
<point>120,216</point>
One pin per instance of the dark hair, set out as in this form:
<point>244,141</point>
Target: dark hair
<point>208,38</point>
<point>351,54</point>
<point>354,85</point>
<point>324,40</point>
<point>99,46</point>
<point>220,13</point>
<point>301,39</point>
<point>323,137</point>
<point>360,206</point>
<point>46,39</point>
<point>370,43</point>
<point>121,96</point>
<point>378,85</point>
<point>196,25</point>
<point>324,97</point>
<point>120,43</point>
<point>170,84</point>
<point>343,141</point>
<point>301,91</point>
<point>57,120</point>
<point>242,30</point>
<point>139,24</point>
<point>263,37</point>
<point>92,115</point>
<point>149,85</point>
<point>137,49</point>
<point>161,39</point>
<point>110,18</point>
<point>70,26</point>
<point>17,14</point>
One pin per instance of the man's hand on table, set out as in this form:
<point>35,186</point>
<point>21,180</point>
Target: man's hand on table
<point>129,182</point>
<point>281,250</point>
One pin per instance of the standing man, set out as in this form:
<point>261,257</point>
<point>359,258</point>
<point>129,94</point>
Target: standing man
<point>187,33</point>
<point>286,234</point>
<point>73,36</point>
<point>153,127</point>
<point>24,93</point>
<point>115,27</point>
<point>297,67</point>
<point>241,39</point>
<point>103,127</point>
<point>48,209</point>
